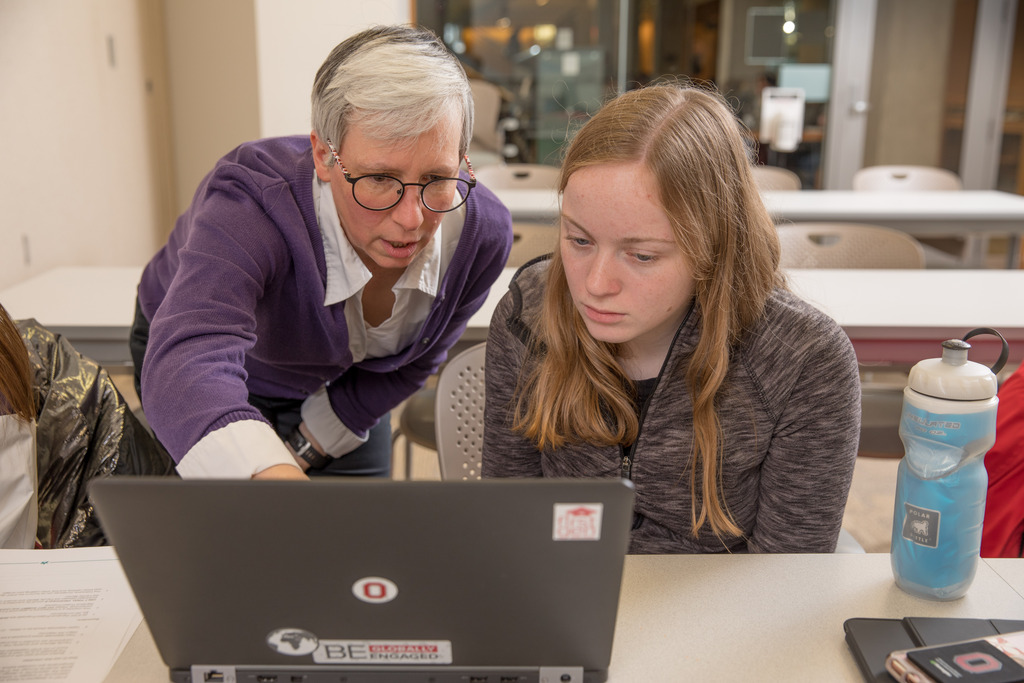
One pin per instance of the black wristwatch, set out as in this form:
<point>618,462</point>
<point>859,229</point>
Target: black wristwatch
<point>304,449</point>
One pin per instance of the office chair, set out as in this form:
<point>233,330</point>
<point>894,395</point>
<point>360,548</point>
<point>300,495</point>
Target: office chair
<point>518,176</point>
<point>448,418</point>
<point>459,414</point>
<point>776,178</point>
<point>847,245</point>
<point>416,420</point>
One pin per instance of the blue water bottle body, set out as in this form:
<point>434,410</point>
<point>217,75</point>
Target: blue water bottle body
<point>941,483</point>
<point>937,520</point>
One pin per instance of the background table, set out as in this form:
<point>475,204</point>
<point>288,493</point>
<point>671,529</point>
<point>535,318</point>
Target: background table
<point>740,617</point>
<point>891,316</point>
<point>965,213</point>
<point>93,306</point>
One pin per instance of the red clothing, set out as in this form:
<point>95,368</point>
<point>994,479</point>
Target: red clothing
<point>1003,532</point>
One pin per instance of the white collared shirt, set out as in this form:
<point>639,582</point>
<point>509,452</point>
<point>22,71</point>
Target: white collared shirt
<point>248,447</point>
<point>346,277</point>
<point>19,509</point>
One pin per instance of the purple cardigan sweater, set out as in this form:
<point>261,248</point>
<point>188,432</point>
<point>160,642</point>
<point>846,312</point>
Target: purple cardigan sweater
<point>235,301</point>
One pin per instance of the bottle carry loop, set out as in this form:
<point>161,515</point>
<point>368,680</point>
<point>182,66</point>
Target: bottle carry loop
<point>1001,361</point>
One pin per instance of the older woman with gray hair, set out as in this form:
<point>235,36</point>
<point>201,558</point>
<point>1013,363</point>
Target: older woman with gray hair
<point>316,282</point>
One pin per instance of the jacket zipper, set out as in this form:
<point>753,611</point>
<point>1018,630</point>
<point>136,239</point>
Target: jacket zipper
<point>626,465</point>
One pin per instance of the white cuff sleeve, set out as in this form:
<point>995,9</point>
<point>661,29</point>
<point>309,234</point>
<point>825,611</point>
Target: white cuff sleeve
<point>331,433</point>
<point>236,451</point>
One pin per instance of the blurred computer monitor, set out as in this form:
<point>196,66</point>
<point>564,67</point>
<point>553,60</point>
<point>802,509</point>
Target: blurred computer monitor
<point>814,79</point>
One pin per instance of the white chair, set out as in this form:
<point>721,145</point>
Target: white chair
<point>897,178</point>
<point>847,245</point>
<point>776,178</point>
<point>518,176</point>
<point>530,240</point>
<point>941,251</point>
<point>459,414</point>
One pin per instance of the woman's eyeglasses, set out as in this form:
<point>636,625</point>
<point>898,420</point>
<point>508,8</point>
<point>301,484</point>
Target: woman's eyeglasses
<point>378,192</point>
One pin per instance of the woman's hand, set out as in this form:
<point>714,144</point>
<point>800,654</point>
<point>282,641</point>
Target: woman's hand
<point>281,472</point>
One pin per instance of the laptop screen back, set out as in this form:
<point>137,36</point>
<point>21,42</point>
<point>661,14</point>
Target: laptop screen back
<point>350,575</point>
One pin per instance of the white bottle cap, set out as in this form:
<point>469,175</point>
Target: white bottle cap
<point>953,377</point>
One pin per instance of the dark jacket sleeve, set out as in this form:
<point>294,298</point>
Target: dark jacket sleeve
<point>84,429</point>
<point>806,474</point>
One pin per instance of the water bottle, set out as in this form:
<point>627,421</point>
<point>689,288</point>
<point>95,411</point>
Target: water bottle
<point>948,423</point>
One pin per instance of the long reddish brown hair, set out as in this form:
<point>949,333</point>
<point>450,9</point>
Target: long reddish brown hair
<point>15,373</point>
<point>689,139</point>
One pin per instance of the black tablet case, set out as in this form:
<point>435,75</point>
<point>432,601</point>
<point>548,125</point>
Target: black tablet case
<point>871,640</point>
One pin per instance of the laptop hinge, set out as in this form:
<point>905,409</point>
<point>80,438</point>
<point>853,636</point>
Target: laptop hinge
<point>561,674</point>
<point>205,673</point>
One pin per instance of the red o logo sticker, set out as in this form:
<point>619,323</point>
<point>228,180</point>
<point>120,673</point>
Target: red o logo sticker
<point>977,662</point>
<point>375,590</point>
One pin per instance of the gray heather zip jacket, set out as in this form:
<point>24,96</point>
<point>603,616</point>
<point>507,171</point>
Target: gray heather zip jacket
<point>790,415</point>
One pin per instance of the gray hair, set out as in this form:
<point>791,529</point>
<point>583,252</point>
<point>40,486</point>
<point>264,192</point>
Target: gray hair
<point>401,81</point>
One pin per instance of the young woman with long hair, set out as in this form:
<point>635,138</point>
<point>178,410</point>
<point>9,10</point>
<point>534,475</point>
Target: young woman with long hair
<point>660,343</point>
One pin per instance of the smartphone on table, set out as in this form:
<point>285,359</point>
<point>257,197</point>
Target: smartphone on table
<point>993,659</point>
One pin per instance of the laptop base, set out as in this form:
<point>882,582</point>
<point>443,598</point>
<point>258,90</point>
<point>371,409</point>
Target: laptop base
<point>446,674</point>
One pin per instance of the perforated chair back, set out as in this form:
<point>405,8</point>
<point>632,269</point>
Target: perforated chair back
<point>776,178</point>
<point>459,414</point>
<point>518,176</point>
<point>898,178</point>
<point>847,245</point>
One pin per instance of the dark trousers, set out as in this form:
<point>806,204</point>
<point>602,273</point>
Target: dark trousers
<point>372,459</point>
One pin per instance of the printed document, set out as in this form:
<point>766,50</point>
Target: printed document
<point>65,615</point>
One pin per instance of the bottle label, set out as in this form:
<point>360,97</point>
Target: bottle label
<point>921,525</point>
<point>963,430</point>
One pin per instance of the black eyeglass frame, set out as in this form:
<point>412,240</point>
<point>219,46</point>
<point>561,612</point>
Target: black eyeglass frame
<point>352,181</point>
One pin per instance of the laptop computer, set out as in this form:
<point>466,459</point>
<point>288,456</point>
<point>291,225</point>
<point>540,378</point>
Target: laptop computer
<point>494,581</point>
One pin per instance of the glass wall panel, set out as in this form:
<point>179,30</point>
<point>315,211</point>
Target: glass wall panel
<point>786,45</point>
<point>557,61</point>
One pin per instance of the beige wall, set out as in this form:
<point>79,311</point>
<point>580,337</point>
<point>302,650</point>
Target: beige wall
<point>100,153</point>
<point>243,69</point>
<point>294,39</point>
<point>75,180</point>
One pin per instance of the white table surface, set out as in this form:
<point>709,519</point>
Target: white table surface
<point>935,213</point>
<point>93,306</point>
<point>923,213</point>
<point>740,617</point>
<point>890,315</point>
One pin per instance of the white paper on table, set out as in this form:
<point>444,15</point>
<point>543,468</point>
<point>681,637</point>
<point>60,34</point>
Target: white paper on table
<point>65,615</point>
